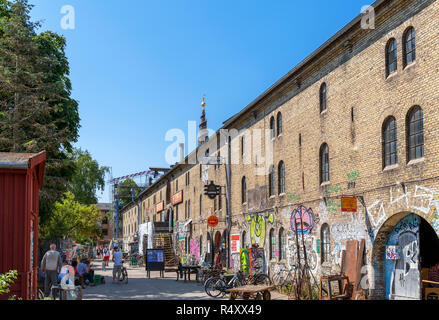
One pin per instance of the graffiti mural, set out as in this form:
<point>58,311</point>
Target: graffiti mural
<point>434,214</point>
<point>351,230</point>
<point>195,249</point>
<point>402,275</point>
<point>257,260</point>
<point>245,261</point>
<point>258,227</point>
<point>235,262</point>
<point>303,219</point>
<point>310,244</point>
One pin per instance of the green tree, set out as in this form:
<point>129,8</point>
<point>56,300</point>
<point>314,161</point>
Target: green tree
<point>6,280</point>
<point>126,190</point>
<point>88,177</point>
<point>70,219</point>
<point>36,110</point>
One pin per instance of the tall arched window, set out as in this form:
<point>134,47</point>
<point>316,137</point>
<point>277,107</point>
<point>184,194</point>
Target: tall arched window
<point>272,245</point>
<point>323,97</point>
<point>271,181</point>
<point>326,243</point>
<point>272,127</point>
<point>409,46</point>
<point>391,57</point>
<point>243,244</point>
<point>279,123</point>
<point>243,190</point>
<point>282,244</point>
<point>281,177</point>
<point>415,133</point>
<point>390,142</point>
<point>324,163</point>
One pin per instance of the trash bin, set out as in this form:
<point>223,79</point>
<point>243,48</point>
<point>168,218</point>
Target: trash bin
<point>97,279</point>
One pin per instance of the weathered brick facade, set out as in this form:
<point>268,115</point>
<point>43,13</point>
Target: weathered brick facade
<point>359,99</point>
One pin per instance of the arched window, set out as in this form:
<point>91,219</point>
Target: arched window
<point>243,190</point>
<point>271,181</point>
<point>272,127</point>
<point>415,133</point>
<point>281,177</point>
<point>409,46</point>
<point>323,97</point>
<point>272,245</point>
<point>279,123</point>
<point>324,163</point>
<point>282,244</point>
<point>391,57</point>
<point>390,142</point>
<point>243,244</point>
<point>326,243</point>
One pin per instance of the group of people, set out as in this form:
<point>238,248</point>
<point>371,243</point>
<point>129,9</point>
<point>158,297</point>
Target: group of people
<point>54,269</point>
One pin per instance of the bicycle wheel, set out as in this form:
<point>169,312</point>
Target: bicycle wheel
<point>214,287</point>
<point>261,279</point>
<point>125,276</point>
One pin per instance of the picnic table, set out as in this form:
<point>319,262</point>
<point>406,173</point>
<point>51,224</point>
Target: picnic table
<point>257,292</point>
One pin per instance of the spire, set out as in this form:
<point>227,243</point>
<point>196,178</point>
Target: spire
<point>203,135</point>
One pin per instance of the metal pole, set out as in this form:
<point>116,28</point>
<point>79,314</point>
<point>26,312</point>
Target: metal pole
<point>117,219</point>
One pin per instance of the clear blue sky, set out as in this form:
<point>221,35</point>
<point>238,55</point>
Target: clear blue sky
<point>140,67</point>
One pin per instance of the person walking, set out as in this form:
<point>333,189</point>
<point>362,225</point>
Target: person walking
<point>106,252</point>
<point>50,265</point>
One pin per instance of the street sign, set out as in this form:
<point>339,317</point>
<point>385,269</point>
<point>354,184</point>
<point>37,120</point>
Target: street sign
<point>349,204</point>
<point>212,190</point>
<point>212,221</point>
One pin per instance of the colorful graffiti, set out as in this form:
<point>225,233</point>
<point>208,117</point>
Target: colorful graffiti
<point>393,253</point>
<point>195,249</point>
<point>302,219</point>
<point>258,227</point>
<point>245,260</point>
<point>402,275</point>
<point>257,260</point>
<point>434,214</point>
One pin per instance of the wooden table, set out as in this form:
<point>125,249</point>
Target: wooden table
<point>187,270</point>
<point>258,292</point>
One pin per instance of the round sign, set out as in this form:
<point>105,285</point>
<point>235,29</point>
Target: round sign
<point>212,221</point>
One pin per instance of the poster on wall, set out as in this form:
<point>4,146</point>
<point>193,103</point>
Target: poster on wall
<point>235,243</point>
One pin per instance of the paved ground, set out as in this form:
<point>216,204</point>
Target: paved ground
<point>141,288</point>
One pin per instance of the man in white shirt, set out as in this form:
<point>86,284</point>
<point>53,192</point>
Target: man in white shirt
<point>118,262</point>
<point>50,265</point>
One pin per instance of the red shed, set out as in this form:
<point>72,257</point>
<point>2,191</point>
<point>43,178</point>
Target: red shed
<point>21,179</point>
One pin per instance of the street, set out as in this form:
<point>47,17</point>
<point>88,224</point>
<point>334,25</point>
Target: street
<point>141,288</point>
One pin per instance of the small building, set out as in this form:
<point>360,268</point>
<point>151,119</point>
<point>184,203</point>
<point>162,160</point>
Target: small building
<point>106,225</point>
<point>21,179</point>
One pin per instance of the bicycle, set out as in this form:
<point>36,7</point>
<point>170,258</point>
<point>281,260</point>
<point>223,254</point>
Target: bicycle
<point>122,274</point>
<point>258,279</point>
<point>285,281</point>
<point>217,286</point>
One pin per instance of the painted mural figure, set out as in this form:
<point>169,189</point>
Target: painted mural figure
<point>303,219</point>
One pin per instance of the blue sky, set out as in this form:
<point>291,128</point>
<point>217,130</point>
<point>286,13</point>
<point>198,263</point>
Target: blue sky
<point>140,67</point>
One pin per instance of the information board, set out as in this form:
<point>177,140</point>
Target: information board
<point>155,260</point>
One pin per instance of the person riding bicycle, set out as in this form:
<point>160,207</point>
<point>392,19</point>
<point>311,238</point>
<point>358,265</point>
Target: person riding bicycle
<point>118,263</point>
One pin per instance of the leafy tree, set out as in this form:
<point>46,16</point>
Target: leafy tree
<point>36,110</point>
<point>70,219</point>
<point>127,189</point>
<point>6,280</point>
<point>88,177</point>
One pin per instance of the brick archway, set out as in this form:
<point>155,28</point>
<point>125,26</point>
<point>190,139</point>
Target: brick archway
<point>379,250</point>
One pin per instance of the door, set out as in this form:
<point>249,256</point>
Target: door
<point>402,267</point>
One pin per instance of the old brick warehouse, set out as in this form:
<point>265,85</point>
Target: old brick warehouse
<point>357,118</point>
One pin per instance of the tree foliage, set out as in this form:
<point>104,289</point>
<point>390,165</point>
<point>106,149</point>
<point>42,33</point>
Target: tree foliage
<point>127,189</point>
<point>70,219</point>
<point>36,110</point>
<point>88,177</point>
<point>6,280</point>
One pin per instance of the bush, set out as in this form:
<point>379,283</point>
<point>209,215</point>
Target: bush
<point>6,280</point>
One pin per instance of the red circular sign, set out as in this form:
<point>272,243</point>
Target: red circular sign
<point>212,221</point>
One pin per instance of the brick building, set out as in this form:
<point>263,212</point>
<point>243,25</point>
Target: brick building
<point>356,118</point>
<point>106,225</point>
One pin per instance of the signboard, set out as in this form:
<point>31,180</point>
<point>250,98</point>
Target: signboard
<point>349,204</point>
<point>159,207</point>
<point>212,221</point>
<point>212,190</point>
<point>155,260</point>
<point>177,198</point>
<point>235,243</point>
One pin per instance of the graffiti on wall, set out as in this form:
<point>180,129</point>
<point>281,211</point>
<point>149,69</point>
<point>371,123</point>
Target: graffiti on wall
<point>311,255</point>
<point>350,230</point>
<point>434,214</point>
<point>195,249</point>
<point>402,275</point>
<point>235,262</point>
<point>258,224</point>
<point>257,260</point>
<point>245,260</point>
<point>302,220</point>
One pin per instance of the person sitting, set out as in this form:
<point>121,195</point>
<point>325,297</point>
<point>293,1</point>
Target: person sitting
<point>90,273</point>
<point>64,270</point>
<point>81,271</point>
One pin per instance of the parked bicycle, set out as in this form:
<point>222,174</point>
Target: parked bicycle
<point>122,274</point>
<point>216,287</point>
<point>284,280</point>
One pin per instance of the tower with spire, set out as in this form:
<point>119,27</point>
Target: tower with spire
<point>203,135</point>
